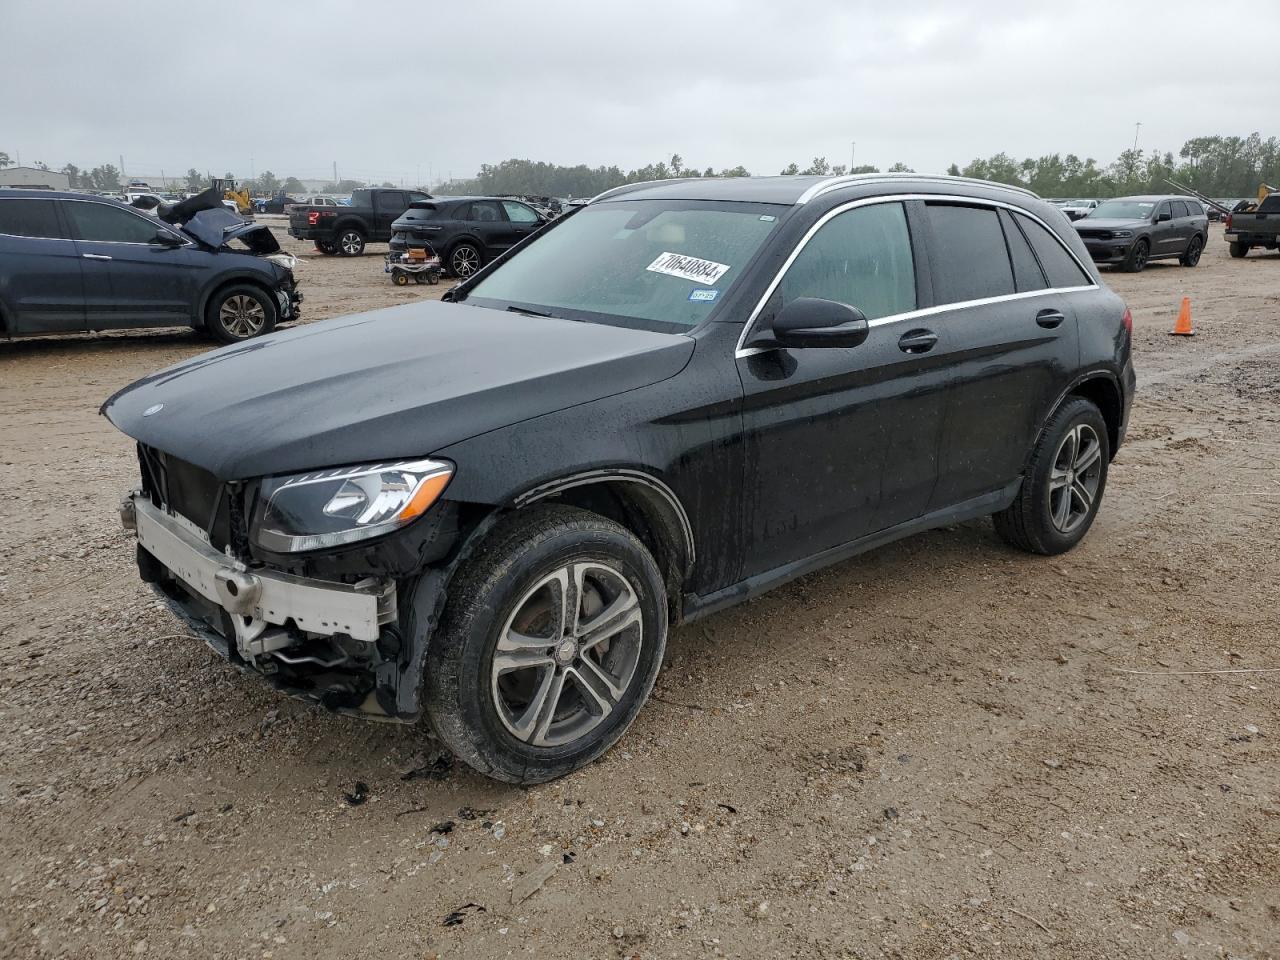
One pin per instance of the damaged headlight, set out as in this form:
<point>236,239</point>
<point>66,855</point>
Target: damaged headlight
<point>329,508</point>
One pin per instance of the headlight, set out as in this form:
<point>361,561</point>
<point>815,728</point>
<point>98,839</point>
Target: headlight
<point>1122,234</point>
<point>327,508</point>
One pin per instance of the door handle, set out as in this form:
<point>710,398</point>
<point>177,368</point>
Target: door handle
<point>917,341</point>
<point>1049,318</point>
<point>96,256</point>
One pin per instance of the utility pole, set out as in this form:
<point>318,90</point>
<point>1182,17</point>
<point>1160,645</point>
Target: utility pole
<point>853,155</point>
<point>335,171</point>
<point>1137,127</point>
<point>123,178</point>
<point>252,173</point>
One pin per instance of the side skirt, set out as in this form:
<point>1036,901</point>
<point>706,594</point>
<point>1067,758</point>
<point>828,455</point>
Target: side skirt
<point>696,607</point>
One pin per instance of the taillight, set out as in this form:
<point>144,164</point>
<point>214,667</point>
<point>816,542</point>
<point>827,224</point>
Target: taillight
<point>1228,221</point>
<point>1127,320</point>
<point>313,218</point>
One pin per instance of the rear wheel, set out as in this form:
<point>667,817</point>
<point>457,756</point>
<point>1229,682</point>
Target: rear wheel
<point>1238,250</point>
<point>350,242</point>
<point>240,312</point>
<point>1136,262</point>
<point>1063,485</point>
<point>1191,256</point>
<point>550,643</point>
<point>464,260</point>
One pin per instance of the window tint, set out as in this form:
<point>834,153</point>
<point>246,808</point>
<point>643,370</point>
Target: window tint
<point>518,212</point>
<point>100,221</point>
<point>1027,274</point>
<point>1059,266</point>
<point>482,210</point>
<point>1180,209</point>
<point>392,200</point>
<point>415,197</point>
<point>29,218</point>
<point>862,258</point>
<point>970,259</point>
<point>1164,208</point>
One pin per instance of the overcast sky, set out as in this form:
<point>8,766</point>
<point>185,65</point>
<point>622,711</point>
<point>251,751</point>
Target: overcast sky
<point>402,90</point>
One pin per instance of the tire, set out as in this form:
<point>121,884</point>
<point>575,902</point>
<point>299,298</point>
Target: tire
<point>1136,262</point>
<point>327,247</point>
<point>349,242</point>
<point>1036,521</point>
<point>489,717</point>
<point>465,259</point>
<point>1239,250</point>
<point>1191,256</point>
<point>240,312</point>
<point>400,278</point>
<point>420,277</point>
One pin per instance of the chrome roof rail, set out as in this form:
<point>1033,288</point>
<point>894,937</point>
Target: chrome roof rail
<point>835,183</point>
<point>629,187</point>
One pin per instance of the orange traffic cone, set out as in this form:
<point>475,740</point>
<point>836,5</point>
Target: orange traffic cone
<point>1183,327</point>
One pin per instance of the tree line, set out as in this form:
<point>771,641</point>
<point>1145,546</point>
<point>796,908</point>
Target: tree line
<point>1218,166</point>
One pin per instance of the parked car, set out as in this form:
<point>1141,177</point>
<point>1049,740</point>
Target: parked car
<point>491,510</point>
<point>1076,209</point>
<point>316,201</point>
<point>72,263</point>
<point>1255,226</point>
<point>1130,232</point>
<point>345,229</point>
<point>465,232</point>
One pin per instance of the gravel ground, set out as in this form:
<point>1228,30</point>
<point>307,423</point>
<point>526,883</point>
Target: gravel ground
<point>941,749</point>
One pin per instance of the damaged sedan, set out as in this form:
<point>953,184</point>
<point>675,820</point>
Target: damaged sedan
<point>488,512</point>
<point>74,263</point>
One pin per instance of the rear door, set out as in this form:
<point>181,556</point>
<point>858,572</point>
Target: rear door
<point>1007,342</point>
<point>488,223</point>
<point>41,288</point>
<point>130,280</point>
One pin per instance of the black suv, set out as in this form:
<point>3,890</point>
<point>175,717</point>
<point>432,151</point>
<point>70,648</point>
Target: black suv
<point>465,232</point>
<point>1132,231</point>
<point>491,510</point>
<point>73,263</point>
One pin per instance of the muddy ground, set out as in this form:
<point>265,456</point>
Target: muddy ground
<point>942,749</point>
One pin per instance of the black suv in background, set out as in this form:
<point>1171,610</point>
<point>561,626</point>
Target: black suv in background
<point>72,263</point>
<point>1129,232</point>
<point>679,396</point>
<point>465,232</point>
<point>345,228</point>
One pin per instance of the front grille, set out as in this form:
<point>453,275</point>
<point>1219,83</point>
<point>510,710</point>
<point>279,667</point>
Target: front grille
<point>185,489</point>
<point>1095,234</point>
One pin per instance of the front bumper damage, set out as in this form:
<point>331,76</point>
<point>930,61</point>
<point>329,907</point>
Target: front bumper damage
<point>333,643</point>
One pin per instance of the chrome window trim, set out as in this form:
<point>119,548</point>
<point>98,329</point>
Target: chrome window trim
<point>160,224</point>
<point>740,351</point>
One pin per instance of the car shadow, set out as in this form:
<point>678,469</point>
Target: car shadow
<point>161,339</point>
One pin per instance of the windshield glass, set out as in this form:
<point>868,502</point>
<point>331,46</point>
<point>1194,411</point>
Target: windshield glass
<point>653,264</point>
<point>1123,210</point>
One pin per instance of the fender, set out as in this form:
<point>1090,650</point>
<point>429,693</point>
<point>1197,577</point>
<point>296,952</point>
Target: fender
<point>1098,373</point>
<point>222,280</point>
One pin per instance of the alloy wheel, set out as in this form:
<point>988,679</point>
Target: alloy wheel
<point>465,261</point>
<point>567,655</point>
<point>1074,479</point>
<point>351,243</point>
<point>1193,254</point>
<point>242,316</point>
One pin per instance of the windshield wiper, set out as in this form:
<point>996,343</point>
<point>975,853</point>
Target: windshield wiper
<point>530,313</point>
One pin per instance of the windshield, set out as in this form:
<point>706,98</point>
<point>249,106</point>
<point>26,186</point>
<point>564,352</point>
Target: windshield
<point>654,264</point>
<point>1123,210</point>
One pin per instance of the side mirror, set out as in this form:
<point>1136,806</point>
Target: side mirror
<point>1162,217</point>
<point>164,238</point>
<point>811,322</point>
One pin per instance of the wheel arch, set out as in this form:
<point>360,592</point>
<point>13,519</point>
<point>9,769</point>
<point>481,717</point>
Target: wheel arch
<point>344,223</point>
<point>1102,389</point>
<point>231,280</point>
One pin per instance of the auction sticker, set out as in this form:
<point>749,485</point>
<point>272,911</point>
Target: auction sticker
<point>689,268</point>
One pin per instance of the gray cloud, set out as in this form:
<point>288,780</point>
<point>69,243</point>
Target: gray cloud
<point>392,91</point>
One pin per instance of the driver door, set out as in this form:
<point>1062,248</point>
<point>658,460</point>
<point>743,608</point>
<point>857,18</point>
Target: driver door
<point>1166,237</point>
<point>842,442</point>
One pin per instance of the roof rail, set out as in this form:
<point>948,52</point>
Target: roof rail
<point>835,183</point>
<point>629,187</point>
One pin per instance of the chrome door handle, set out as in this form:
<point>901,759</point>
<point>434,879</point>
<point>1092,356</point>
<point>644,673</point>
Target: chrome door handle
<point>96,256</point>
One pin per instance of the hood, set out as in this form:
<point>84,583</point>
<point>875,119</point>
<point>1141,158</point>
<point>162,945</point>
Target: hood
<point>1105,223</point>
<point>218,226</point>
<point>396,383</point>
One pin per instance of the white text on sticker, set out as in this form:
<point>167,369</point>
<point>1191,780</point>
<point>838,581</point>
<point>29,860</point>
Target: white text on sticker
<point>689,268</point>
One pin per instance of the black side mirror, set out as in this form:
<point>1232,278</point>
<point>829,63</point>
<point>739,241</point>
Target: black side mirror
<point>811,322</point>
<point>164,238</point>
<point>1162,217</point>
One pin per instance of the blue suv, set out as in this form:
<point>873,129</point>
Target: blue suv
<point>72,263</point>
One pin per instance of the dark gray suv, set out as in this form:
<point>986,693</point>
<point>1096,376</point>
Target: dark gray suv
<point>74,263</point>
<point>1129,232</point>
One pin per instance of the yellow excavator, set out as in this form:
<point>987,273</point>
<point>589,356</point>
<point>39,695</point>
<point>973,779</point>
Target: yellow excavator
<point>244,204</point>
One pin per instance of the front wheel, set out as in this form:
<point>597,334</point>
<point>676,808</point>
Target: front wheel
<point>1136,262</point>
<point>550,643</point>
<point>1062,488</point>
<point>1238,250</point>
<point>240,313</point>
<point>1191,256</point>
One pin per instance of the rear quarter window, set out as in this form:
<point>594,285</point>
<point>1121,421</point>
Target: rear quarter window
<point>969,257</point>
<point>1059,266</point>
<point>30,218</point>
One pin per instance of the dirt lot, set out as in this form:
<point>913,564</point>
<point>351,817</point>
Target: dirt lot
<point>938,750</point>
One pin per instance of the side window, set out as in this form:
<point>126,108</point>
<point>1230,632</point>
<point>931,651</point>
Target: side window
<point>392,200</point>
<point>1164,208</point>
<point>30,218</point>
<point>486,211</point>
<point>1180,209</point>
<point>108,224</point>
<point>1027,275</point>
<point>415,197</point>
<point>1059,266</point>
<point>518,212</point>
<point>970,261</point>
<point>862,258</point>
